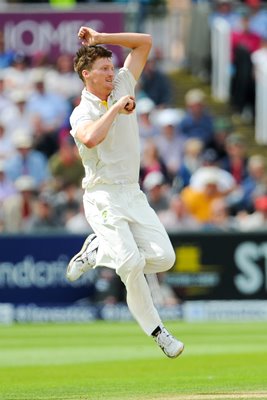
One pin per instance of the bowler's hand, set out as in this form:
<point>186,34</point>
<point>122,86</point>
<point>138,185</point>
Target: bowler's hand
<point>88,36</point>
<point>127,104</point>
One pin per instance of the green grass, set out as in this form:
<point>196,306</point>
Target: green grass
<point>118,361</point>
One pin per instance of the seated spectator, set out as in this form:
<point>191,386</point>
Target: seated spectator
<point>220,217</point>
<point>198,200</point>
<point>170,141</point>
<point>147,128</point>
<point>7,187</point>
<point>62,79</point>
<point>243,44</point>
<point>49,112</point>
<point>224,9</point>
<point>17,114</point>
<point>65,165</point>
<point>177,217</point>
<point>197,122</point>
<point>222,129</point>
<point>76,222</point>
<point>7,148</point>
<point>44,217</point>
<point>156,85</point>
<point>17,75</point>
<point>235,161</point>
<point>18,208</point>
<point>158,193</point>
<point>67,201</point>
<point>257,220</point>
<point>152,162</point>
<point>254,185</point>
<point>191,161</point>
<point>27,161</point>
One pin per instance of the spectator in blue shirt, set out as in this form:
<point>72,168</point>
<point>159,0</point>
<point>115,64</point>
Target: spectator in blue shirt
<point>27,161</point>
<point>197,122</point>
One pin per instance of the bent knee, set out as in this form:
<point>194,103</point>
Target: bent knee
<point>130,265</point>
<point>168,260</point>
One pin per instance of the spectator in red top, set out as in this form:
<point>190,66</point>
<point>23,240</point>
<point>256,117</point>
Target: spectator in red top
<point>243,44</point>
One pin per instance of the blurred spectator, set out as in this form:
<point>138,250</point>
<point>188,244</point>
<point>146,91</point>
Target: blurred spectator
<point>220,217</point>
<point>76,222</point>
<point>157,192</point>
<point>177,217</point>
<point>17,114</point>
<point>18,208</point>
<point>198,198</point>
<point>197,121</point>
<point>222,129</point>
<point>108,287</point>
<point>67,201</point>
<point>243,44</point>
<point>258,17</point>
<point>156,85</point>
<point>258,219</point>
<point>49,112</point>
<point>255,184</point>
<point>17,76</point>
<point>170,141</point>
<point>44,217</point>
<point>7,187</point>
<point>162,293</point>
<point>65,165</point>
<point>62,79</point>
<point>27,161</point>
<point>191,161</point>
<point>152,162</point>
<point>235,161</point>
<point>147,127</point>
<point>224,9</point>
<point>7,148</point>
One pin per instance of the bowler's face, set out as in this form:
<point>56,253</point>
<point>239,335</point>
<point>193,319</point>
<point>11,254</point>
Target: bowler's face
<point>102,74</point>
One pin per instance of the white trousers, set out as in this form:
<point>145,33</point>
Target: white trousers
<point>132,241</point>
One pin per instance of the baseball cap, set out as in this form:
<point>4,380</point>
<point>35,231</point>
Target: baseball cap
<point>22,140</point>
<point>25,183</point>
<point>153,179</point>
<point>194,96</point>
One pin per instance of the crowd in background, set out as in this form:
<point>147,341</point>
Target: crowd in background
<point>195,168</point>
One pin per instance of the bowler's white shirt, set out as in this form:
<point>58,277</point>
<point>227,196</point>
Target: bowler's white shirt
<point>117,159</point>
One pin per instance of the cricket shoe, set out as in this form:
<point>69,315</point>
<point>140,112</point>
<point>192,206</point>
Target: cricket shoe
<point>84,260</point>
<point>169,344</point>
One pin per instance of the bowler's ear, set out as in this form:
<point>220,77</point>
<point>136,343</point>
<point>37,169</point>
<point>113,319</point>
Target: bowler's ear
<point>85,73</point>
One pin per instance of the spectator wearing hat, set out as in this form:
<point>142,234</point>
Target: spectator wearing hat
<point>158,193</point>
<point>17,76</point>
<point>18,208</point>
<point>170,141</point>
<point>147,128</point>
<point>27,161</point>
<point>200,194</point>
<point>18,115</point>
<point>223,127</point>
<point>197,122</point>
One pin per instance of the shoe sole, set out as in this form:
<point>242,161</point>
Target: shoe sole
<point>84,246</point>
